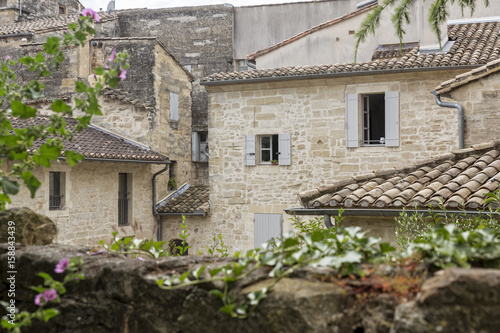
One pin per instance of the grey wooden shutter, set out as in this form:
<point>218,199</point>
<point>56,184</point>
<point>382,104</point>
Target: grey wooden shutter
<point>249,149</point>
<point>284,149</point>
<point>392,119</point>
<point>195,147</point>
<point>351,115</point>
<point>174,106</point>
<point>267,226</point>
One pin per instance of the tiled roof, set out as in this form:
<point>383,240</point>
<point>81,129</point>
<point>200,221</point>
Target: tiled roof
<point>126,97</point>
<point>465,78</point>
<point>475,44</point>
<point>94,142</point>
<point>257,54</point>
<point>392,50</point>
<point>187,199</point>
<point>46,24</point>
<point>459,179</point>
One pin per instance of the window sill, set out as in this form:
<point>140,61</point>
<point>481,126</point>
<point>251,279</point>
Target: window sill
<point>58,213</point>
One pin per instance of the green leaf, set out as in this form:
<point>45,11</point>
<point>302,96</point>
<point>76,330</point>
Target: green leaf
<point>160,282</point>
<point>51,46</point>
<point>386,248</point>
<point>198,271</point>
<point>73,158</point>
<point>45,154</point>
<point>215,271</point>
<point>9,186</point>
<point>59,106</point>
<point>31,182</point>
<point>80,87</point>
<point>228,308</point>
<point>217,293</point>
<point>21,110</point>
<point>50,313</point>
<point>184,276</point>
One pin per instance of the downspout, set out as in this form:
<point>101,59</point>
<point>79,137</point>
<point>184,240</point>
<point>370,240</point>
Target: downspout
<point>460,117</point>
<point>158,219</point>
<point>20,9</point>
<point>249,64</point>
<point>328,221</point>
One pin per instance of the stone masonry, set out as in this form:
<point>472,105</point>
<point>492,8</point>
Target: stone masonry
<point>313,112</point>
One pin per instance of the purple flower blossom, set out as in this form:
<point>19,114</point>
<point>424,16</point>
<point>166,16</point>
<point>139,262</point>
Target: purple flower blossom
<point>90,12</point>
<point>39,300</point>
<point>50,295</point>
<point>123,74</point>
<point>7,57</point>
<point>96,253</point>
<point>62,265</point>
<point>112,56</point>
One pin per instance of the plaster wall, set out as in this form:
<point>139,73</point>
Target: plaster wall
<point>91,196</point>
<point>313,113</point>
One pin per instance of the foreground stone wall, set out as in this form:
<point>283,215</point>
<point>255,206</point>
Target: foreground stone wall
<point>91,201</point>
<point>313,113</point>
<point>121,295</point>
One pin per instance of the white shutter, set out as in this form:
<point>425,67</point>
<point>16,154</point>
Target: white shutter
<point>392,119</point>
<point>351,115</point>
<point>267,226</point>
<point>284,149</point>
<point>174,106</point>
<point>249,149</point>
<point>195,147</point>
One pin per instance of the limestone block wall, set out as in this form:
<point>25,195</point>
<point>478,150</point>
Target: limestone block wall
<point>200,229</point>
<point>91,196</point>
<point>313,113</point>
<point>480,102</point>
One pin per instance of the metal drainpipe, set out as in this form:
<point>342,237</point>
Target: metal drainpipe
<point>328,221</point>
<point>249,64</point>
<point>158,219</point>
<point>460,117</point>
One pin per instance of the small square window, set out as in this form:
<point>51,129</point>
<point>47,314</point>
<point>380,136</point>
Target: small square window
<point>373,119</point>
<point>57,186</point>
<point>61,10</point>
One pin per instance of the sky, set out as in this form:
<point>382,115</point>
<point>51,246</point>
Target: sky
<point>126,4</point>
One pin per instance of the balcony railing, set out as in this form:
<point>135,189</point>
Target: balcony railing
<point>55,202</point>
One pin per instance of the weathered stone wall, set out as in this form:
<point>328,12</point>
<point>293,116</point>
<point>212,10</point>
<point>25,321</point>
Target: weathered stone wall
<point>200,37</point>
<point>480,102</point>
<point>120,294</point>
<point>313,112</point>
<point>200,229</point>
<point>38,8</point>
<point>91,197</point>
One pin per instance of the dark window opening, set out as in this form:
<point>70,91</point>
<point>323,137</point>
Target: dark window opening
<point>268,149</point>
<point>374,119</point>
<point>56,190</point>
<point>123,199</point>
<point>62,10</point>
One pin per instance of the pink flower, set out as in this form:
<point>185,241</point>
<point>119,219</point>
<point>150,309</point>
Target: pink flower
<point>62,265</point>
<point>50,295</point>
<point>123,74</point>
<point>39,300</point>
<point>90,12</point>
<point>112,56</point>
<point>7,57</point>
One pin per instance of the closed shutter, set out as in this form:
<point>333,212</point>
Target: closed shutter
<point>351,115</point>
<point>284,149</point>
<point>195,147</point>
<point>174,106</point>
<point>267,226</point>
<point>249,149</point>
<point>392,119</point>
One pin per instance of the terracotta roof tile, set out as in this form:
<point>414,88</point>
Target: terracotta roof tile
<point>94,142</point>
<point>186,200</point>
<point>46,24</point>
<point>456,180</point>
<point>475,44</point>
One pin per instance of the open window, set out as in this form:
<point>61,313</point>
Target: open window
<point>372,119</point>
<point>199,147</point>
<point>268,149</point>
<point>124,198</point>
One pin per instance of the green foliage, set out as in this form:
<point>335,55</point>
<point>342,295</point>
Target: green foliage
<point>172,183</point>
<point>14,103</point>
<point>347,251</point>
<point>217,248</point>
<point>184,235</point>
<point>438,14</point>
<point>136,248</point>
<point>44,313</point>
<point>446,246</point>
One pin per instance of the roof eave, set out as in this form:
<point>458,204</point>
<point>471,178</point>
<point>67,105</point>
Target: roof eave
<point>386,212</point>
<point>331,75</point>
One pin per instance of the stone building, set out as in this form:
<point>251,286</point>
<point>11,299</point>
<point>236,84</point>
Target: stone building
<point>110,190</point>
<point>14,10</point>
<point>326,123</point>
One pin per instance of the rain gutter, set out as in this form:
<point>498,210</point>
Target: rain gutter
<point>461,117</point>
<point>331,75</point>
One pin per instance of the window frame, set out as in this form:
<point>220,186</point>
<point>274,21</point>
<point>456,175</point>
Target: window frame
<point>174,107</point>
<point>57,190</point>
<point>366,115</point>
<point>282,149</point>
<point>124,198</point>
